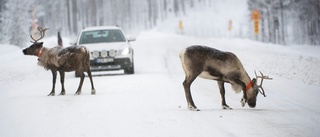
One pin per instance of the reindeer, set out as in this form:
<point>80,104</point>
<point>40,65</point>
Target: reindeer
<point>224,67</point>
<point>73,58</point>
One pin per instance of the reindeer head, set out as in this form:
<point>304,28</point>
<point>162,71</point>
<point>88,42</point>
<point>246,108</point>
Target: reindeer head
<point>36,47</point>
<point>253,89</point>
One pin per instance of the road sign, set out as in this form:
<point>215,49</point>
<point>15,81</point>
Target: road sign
<point>230,25</point>
<point>256,26</point>
<point>180,25</point>
<point>255,16</point>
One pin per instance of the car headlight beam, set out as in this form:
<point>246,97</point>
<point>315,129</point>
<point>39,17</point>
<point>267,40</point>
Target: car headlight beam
<point>125,51</point>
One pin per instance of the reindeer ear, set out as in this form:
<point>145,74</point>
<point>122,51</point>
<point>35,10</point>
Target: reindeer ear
<point>39,44</point>
<point>254,82</point>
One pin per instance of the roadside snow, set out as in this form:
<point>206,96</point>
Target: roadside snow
<point>298,63</point>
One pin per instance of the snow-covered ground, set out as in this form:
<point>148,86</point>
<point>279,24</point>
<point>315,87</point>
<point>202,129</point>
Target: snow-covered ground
<point>152,102</point>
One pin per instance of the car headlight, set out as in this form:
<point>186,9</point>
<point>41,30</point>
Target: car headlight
<point>95,54</point>
<point>125,51</point>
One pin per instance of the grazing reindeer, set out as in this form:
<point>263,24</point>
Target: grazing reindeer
<point>210,63</point>
<point>74,58</point>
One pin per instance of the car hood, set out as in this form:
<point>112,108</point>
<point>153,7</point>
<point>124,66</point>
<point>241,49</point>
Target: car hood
<point>106,46</point>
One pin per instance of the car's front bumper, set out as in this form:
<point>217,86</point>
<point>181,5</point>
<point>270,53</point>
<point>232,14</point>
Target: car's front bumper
<point>117,64</point>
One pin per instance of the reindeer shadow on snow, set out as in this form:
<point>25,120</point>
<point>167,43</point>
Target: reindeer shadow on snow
<point>58,59</point>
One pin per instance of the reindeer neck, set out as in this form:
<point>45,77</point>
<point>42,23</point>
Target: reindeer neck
<point>40,52</point>
<point>246,79</point>
<point>49,58</point>
<point>43,58</point>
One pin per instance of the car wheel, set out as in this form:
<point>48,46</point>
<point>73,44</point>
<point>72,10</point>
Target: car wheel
<point>129,70</point>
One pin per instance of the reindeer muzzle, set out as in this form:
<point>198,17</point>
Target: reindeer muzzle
<point>252,105</point>
<point>24,51</point>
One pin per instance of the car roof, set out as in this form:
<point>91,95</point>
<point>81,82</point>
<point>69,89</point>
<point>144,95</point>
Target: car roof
<point>100,28</point>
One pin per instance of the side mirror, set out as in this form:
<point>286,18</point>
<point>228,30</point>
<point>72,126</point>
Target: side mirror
<point>130,39</point>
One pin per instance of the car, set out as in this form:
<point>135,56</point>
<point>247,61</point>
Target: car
<point>110,48</point>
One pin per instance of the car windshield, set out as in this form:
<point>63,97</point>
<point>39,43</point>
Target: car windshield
<point>101,36</point>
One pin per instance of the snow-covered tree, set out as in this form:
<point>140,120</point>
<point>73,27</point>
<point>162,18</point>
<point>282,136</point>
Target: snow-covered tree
<point>2,9</point>
<point>283,21</point>
<point>308,20</point>
<point>289,21</point>
<point>16,21</point>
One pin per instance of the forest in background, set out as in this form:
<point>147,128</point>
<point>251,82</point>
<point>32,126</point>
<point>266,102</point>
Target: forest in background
<point>70,16</point>
<point>289,21</point>
<point>283,21</point>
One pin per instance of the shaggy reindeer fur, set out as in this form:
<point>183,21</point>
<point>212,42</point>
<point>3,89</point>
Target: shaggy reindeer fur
<point>224,67</point>
<point>74,58</point>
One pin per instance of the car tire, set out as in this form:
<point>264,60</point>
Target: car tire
<point>129,70</point>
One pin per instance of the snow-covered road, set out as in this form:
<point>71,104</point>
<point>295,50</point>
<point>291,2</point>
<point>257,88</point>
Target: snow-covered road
<point>152,103</point>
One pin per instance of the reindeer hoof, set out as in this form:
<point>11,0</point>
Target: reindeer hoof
<point>243,102</point>
<point>62,93</point>
<point>93,92</point>
<point>226,107</point>
<point>51,94</point>
<point>193,108</point>
<point>77,93</point>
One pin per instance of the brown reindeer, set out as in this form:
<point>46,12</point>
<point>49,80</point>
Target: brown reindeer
<point>224,67</point>
<point>73,58</point>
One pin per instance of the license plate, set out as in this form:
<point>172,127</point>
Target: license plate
<point>104,60</point>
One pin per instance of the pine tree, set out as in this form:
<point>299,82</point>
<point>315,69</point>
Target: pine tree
<point>15,19</point>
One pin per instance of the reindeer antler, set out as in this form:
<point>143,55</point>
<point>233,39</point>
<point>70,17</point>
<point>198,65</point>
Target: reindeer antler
<point>42,34</point>
<point>262,78</point>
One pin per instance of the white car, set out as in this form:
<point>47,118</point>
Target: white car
<point>109,47</point>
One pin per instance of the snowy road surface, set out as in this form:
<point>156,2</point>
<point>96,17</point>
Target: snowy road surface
<point>151,102</point>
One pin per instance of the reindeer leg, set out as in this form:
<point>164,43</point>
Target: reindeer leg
<point>63,91</point>
<point>81,74</point>
<point>54,77</point>
<point>186,84</point>
<point>243,85</point>
<point>93,91</point>
<point>222,92</point>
